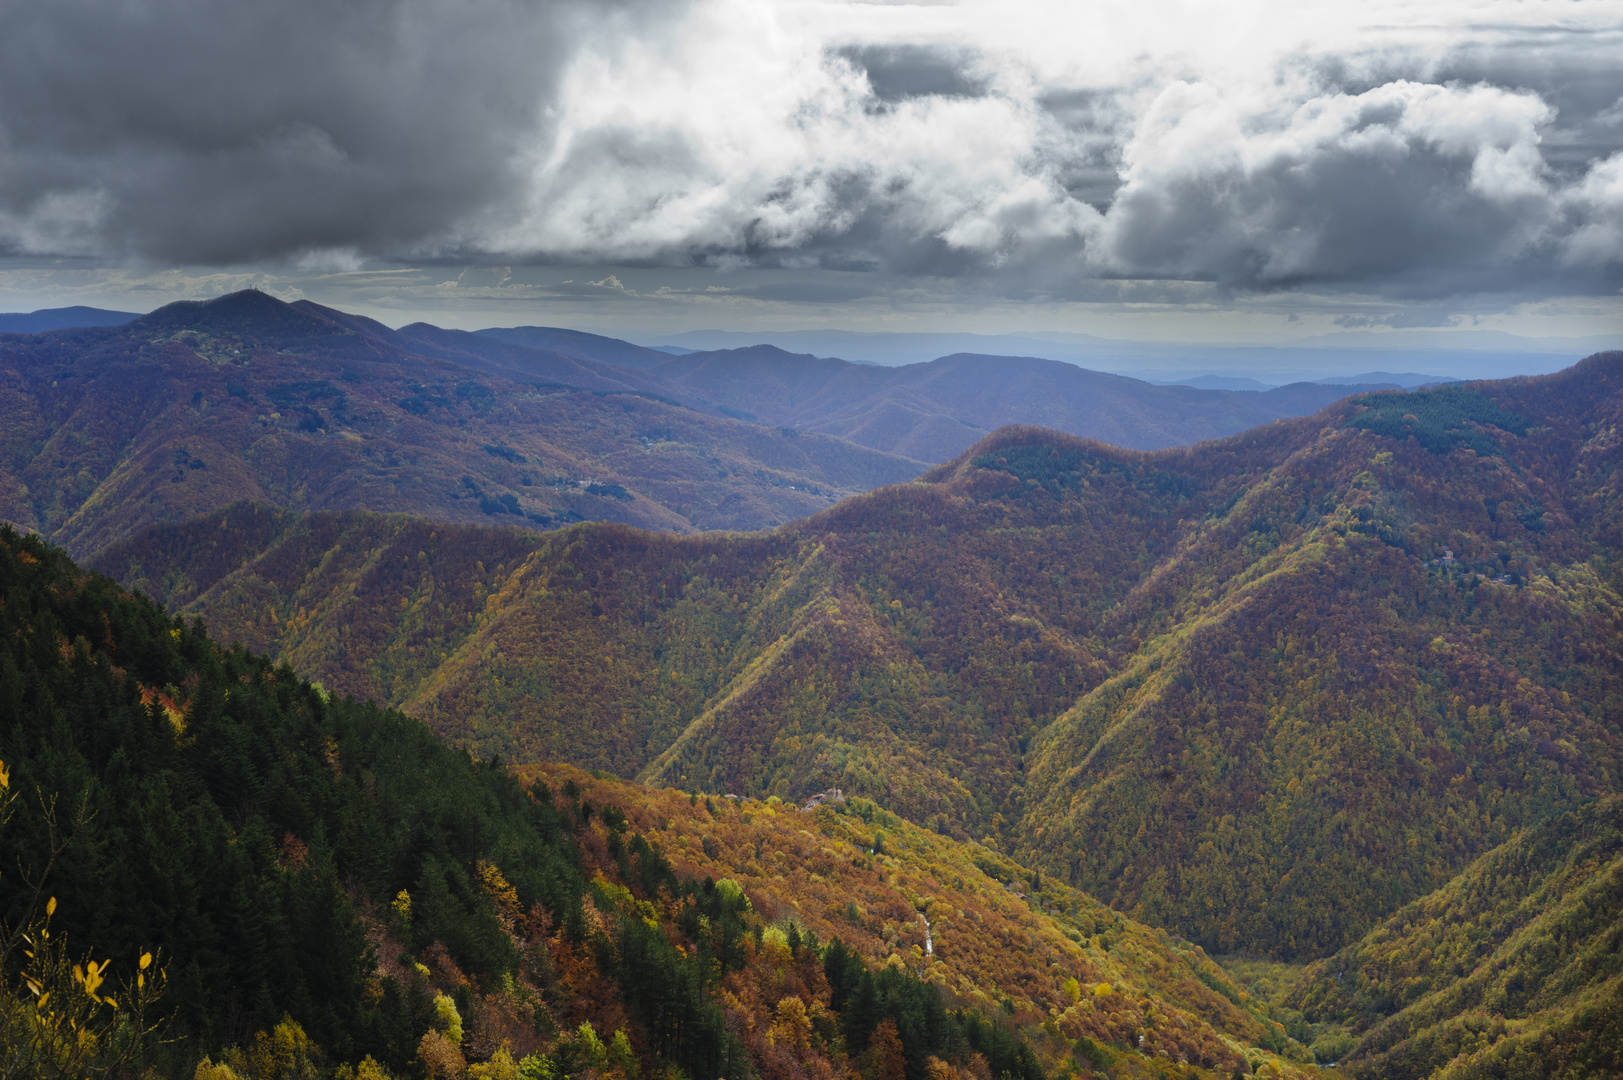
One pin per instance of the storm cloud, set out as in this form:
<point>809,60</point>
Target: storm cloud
<point>1411,151</point>
<point>201,132</point>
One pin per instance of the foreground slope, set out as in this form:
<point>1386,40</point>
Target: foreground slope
<point>198,405</point>
<point>1076,978</point>
<point>322,889</point>
<point>1264,690</point>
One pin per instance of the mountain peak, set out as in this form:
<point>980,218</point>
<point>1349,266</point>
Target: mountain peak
<point>250,313</point>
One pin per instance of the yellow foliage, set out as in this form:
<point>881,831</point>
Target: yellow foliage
<point>499,890</point>
<point>368,1069</point>
<point>501,1066</point>
<point>1102,990</point>
<point>791,1025</point>
<point>207,1070</point>
<point>371,1070</point>
<point>441,1057</point>
<point>285,1053</point>
<point>447,1019</point>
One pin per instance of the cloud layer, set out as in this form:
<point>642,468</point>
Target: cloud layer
<point>195,131</point>
<point>1411,151</point>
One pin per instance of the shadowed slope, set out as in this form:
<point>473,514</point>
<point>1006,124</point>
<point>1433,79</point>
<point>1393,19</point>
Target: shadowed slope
<point>202,404</point>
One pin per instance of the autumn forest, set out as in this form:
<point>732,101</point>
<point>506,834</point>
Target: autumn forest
<point>355,751</point>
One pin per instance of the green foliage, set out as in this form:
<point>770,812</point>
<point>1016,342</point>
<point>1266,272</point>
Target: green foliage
<point>1443,419</point>
<point>866,999</point>
<point>1512,968</point>
<point>225,811</point>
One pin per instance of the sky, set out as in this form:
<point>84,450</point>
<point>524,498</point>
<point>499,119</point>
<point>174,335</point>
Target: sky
<point>1159,170</point>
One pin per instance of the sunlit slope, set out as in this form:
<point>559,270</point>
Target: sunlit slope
<point>1514,968</point>
<point>1263,690</point>
<point>985,930</point>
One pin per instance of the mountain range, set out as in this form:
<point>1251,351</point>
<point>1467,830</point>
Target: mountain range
<point>1293,747</point>
<point>199,404</point>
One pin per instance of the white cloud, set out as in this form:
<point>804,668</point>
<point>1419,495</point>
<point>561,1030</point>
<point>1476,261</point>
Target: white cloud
<point>1598,203</point>
<point>1253,143</point>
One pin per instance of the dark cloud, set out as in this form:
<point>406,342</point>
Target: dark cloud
<point>189,131</point>
<point>1095,123</point>
<point>899,72</point>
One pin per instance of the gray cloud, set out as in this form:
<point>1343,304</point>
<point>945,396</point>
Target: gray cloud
<point>899,72</point>
<point>194,131</point>
<point>1021,152</point>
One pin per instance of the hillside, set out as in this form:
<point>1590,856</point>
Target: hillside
<point>1078,980</point>
<point>1263,691</point>
<point>198,405</point>
<point>281,883</point>
<point>1512,969</point>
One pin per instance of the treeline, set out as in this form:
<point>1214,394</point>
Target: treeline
<point>298,883</point>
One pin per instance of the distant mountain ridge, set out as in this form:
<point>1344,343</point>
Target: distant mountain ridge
<point>1455,353</point>
<point>201,404</point>
<point>63,318</point>
<point>606,350</point>
<point>935,410</point>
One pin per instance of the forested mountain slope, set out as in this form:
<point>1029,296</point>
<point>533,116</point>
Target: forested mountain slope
<point>198,405</point>
<point>1514,968</point>
<point>291,885</point>
<point>1078,980</point>
<point>1263,690</point>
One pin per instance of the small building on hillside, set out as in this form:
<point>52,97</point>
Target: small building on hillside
<point>822,798</point>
